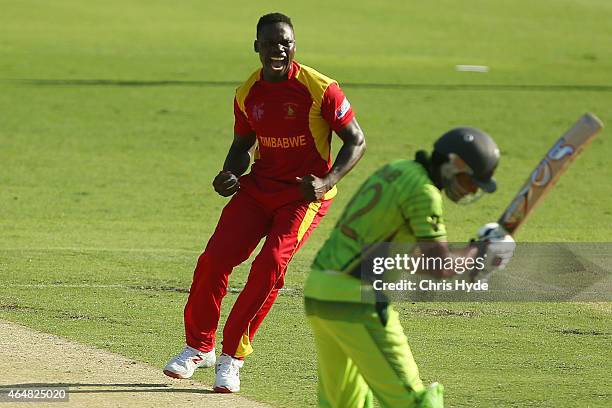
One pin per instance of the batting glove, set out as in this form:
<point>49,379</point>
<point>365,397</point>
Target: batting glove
<point>498,248</point>
<point>500,245</point>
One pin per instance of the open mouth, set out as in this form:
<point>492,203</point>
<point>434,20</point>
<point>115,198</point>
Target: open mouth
<point>277,63</point>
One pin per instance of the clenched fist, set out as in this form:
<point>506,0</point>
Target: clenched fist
<point>226,183</point>
<point>312,187</point>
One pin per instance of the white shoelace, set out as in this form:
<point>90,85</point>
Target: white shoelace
<point>230,369</point>
<point>186,355</point>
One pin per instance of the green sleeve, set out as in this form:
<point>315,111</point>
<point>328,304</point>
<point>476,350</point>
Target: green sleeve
<point>424,214</point>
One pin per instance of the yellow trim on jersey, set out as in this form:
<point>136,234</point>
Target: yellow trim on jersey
<point>241,94</point>
<point>254,151</point>
<point>313,209</point>
<point>243,90</point>
<point>317,84</point>
<point>331,193</point>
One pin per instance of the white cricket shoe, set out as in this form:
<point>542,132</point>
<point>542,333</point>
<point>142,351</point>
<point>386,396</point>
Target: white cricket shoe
<point>228,374</point>
<point>184,365</point>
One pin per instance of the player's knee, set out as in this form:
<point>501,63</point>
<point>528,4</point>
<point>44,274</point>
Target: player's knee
<point>268,270</point>
<point>276,258</point>
<point>223,254</point>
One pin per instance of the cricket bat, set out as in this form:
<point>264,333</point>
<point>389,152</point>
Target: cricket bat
<point>546,174</point>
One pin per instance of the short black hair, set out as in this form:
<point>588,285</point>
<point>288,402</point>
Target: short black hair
<point>273,18</point>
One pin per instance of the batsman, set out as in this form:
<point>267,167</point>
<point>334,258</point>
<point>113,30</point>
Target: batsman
<point>362,350</point>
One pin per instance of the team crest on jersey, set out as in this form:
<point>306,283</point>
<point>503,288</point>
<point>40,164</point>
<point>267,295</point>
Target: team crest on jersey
<point>343,109</point>
<point>290,110</point>
<point>258,111</point>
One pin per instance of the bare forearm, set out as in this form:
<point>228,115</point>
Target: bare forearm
<point>469,251</point>
<point>348,156</point>
<point>237,162</point>
<point>238,157</point>
<point>353,146</point>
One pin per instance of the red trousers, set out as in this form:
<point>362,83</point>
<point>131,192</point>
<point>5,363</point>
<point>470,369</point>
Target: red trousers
<point>255,212</point>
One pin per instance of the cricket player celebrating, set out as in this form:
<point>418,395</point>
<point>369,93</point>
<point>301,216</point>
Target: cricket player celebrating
<point>362,350</point>
<point>289,110</point>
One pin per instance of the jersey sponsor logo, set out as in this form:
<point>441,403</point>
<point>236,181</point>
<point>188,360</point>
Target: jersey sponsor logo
<point>283,142</point>
<point>258,111</point>
<point>343,109</point>
<point>435,221</point>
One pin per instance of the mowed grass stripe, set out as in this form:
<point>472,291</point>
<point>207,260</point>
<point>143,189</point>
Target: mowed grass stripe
<point>365,85</point>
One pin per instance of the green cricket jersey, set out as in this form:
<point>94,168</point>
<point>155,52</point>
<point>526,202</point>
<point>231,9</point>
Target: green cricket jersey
<point>398,203</point>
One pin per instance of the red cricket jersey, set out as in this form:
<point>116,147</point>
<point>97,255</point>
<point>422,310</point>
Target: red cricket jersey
<point>293,120</point>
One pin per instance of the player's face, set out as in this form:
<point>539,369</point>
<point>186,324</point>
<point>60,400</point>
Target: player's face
<point>462,189</point>
<point>466,183</point>
<point>276,47</point>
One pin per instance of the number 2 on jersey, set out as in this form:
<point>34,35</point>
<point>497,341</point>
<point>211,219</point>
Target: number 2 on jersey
<point>345,222</point>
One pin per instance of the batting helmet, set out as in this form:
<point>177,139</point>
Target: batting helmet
<point>476,149</point>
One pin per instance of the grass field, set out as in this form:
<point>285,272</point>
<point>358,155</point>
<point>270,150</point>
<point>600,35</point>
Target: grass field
<point>116,115</point>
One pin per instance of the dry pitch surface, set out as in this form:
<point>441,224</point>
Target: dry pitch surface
<point>94,378</point>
